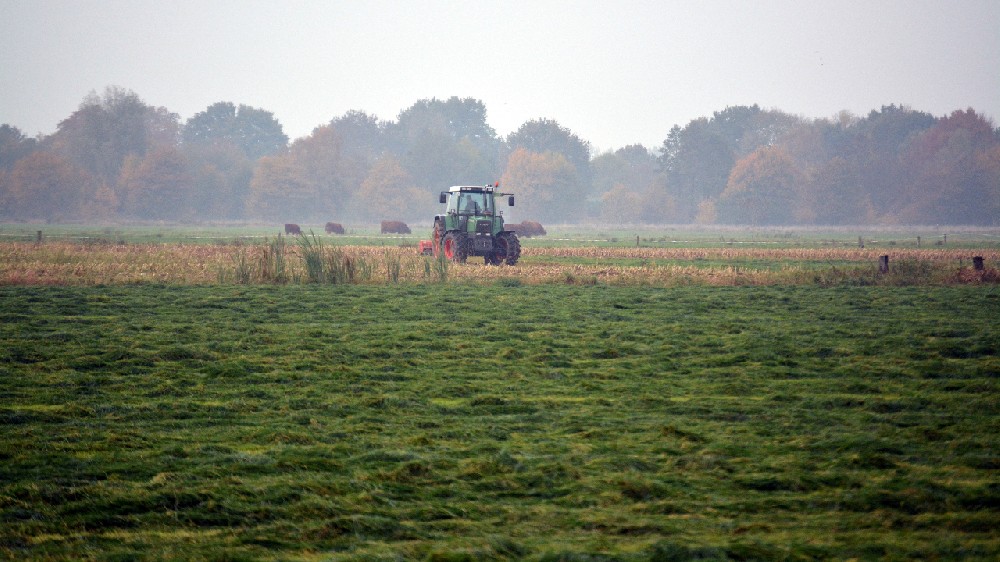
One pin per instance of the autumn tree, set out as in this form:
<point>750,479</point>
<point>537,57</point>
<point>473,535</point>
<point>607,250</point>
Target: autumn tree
<point>837,195</point>
<point>634,169</point>
<point>157,185</point>
<point>763,189</point>
<point>253,131</point>
<point>220,180</point>
<point>445,142</point>
<point>45,185</point>
<point>949,178</point>
<point>14,146</point>
<point>987,175</point>
<point>545,135</point>
<point>621,205</point>
<point>279,191</point>
<point>106,130</point>
<point>698,158</point>
<point>363,134</point>
<point>878,143</point>
<point>696,161</point>
<point>545,183</point>
<point>388,193</point>
<point>314,168</point>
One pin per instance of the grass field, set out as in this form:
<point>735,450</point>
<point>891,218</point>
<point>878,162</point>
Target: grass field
<point>723,402</point>
<point>558,236</point>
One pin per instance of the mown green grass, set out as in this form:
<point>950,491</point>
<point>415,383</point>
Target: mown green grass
<point>520,422</point>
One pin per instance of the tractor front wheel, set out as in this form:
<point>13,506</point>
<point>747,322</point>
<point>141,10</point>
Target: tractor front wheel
<point>508,248</point>
<point>456,247</point>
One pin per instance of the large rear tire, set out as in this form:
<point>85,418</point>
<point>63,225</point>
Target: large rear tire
<point>456,247</point>
<point>508,248</point>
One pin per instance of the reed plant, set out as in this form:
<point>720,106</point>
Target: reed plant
<point>311,251</point>
<point>393,266</point>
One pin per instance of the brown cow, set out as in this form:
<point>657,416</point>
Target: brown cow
<point>395,227</point>
<point>532,228</point>
<point>334,228</point>
<point>526,229</point>
<point>292,228</point>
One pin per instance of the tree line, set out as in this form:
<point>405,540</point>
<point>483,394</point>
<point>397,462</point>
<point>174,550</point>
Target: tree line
<point>116,158</point>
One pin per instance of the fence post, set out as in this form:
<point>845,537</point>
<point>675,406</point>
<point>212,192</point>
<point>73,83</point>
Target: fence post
<point>636,241</point>
<point>38,237</point>
<point>861,243</point>
<point>918,241</point>
<point>883,264</point>
<point>977,263</point>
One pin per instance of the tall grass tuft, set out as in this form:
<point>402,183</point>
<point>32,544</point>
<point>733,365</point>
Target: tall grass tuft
<point>311,249</point>
<point>341,269</point>
<point>393,266</point>
<point>441,268</point>
<point>272,267</point>
<point>244,268</point>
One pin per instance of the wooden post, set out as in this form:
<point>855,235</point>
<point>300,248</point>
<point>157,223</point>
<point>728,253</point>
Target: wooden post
<point>636,241</point>
<point>945,238</point>
<point>918,241</point>
<point>977,263</point>
<point>883,264</point>
<point>38,237</point>
<point>861,243</point>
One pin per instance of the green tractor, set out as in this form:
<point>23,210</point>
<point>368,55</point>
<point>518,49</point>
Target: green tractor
<point>473,226</point>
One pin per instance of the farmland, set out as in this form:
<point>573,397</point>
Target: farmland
<point>725,401</point>
<point>81,256</point>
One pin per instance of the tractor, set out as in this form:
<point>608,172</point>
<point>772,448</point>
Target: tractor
<point>473,226</point>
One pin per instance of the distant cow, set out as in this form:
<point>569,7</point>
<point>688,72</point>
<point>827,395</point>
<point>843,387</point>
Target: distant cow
<point>292,228</point>
<point>526,229</point>
<point>395,227</point>
<point>334,228</point>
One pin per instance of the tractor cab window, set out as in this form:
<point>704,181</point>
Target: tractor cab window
<point>471,203</point>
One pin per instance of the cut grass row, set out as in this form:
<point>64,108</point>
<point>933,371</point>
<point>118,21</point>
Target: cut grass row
<point>468,421</point>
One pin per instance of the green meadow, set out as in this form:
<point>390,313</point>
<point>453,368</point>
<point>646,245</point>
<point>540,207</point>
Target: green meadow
<point>462,421</point>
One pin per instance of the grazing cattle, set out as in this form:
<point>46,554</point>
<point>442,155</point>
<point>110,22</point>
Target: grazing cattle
<point>292,228</point>
<point>334,228</point>
<point>526,229</point>
<point>395,227</point>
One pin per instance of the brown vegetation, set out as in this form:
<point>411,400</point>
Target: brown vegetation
<point>63,263</point>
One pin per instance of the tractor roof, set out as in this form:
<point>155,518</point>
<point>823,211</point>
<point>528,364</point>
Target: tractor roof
<point>472,188</point>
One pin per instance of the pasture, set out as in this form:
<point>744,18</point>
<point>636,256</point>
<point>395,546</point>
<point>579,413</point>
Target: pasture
<point>770,403</point>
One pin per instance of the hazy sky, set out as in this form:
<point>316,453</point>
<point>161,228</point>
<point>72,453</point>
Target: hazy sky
<point>614,72</point>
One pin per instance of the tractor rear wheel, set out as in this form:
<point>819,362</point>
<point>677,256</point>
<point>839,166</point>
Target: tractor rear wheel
<point>456,247</point>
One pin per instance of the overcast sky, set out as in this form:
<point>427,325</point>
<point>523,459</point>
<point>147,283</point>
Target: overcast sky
<point>614,72</point>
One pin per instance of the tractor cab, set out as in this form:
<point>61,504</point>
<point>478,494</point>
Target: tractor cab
<point>471,203</point>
